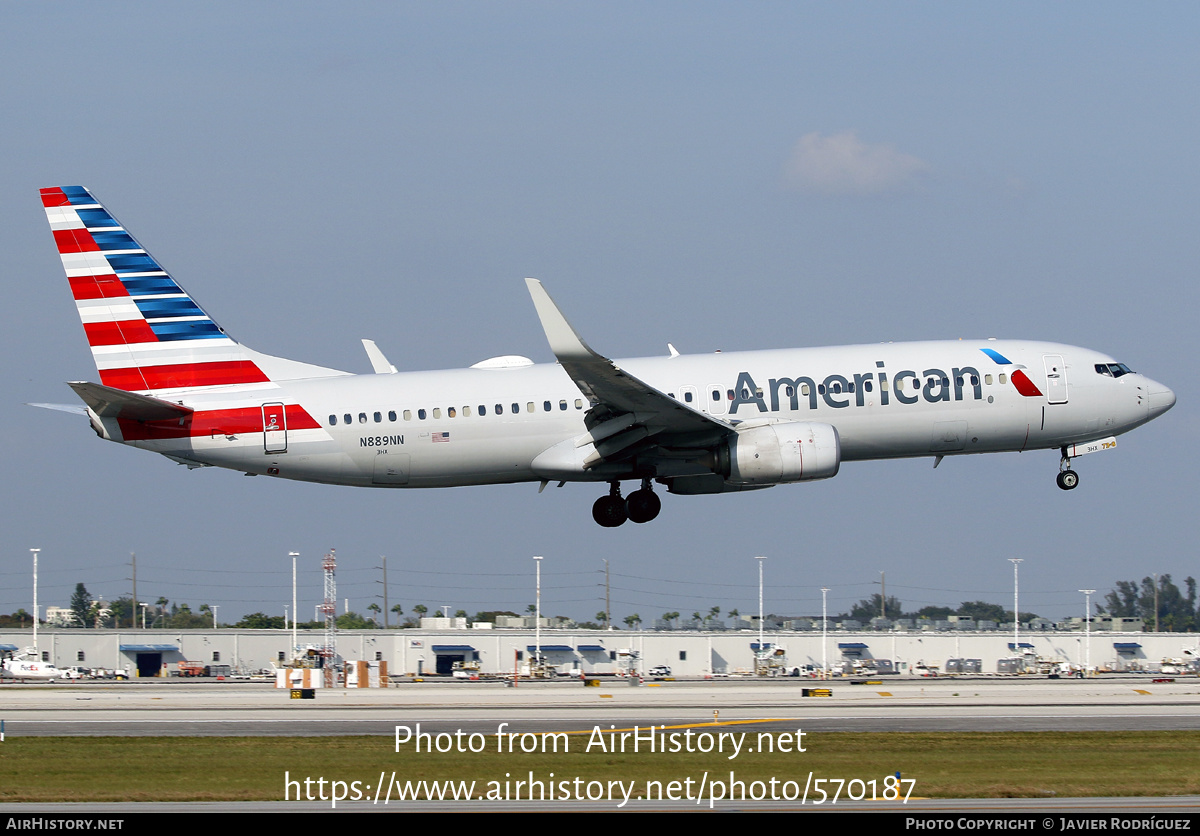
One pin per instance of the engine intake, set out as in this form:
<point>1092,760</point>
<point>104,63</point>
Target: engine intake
<point>790,451</point>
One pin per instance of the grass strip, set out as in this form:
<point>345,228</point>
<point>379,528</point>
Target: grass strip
<point>944,765</point>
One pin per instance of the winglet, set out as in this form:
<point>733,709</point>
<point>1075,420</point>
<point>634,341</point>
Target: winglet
<point>564,341</point>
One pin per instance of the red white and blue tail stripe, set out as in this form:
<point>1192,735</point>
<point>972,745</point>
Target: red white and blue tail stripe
<point>146,333</point>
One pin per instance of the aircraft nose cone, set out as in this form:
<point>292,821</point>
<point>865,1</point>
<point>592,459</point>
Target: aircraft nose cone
<point>1160,398</point>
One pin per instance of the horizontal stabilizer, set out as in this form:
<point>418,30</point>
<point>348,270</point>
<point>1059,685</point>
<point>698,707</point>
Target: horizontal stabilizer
<point>108,402</point>
<point>74,409</point>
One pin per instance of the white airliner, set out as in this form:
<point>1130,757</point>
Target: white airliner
<point>22,666</point>
<point>172,381</point>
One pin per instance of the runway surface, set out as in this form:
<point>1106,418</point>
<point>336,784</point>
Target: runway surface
<point>175,708</point>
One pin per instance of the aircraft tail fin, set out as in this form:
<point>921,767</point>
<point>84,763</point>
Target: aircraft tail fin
<point>146,332</point>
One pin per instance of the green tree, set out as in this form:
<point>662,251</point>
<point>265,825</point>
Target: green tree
<point>353,621</point>
<point>261,621</point>
<point>123,612</point>
<point>1176,611</point>
<point>868,608</point>
<point>81,606</point>
<point>983,611</point>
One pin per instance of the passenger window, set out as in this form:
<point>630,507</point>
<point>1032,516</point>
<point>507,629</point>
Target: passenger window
<point>687,397</point>
<point>346,419</point>
<point>529,407</point>
<point>437,412</point>
<point>333,420</point>
<point>866,386</point>
<point>987,378</point>
<point>579,403</point>
<point>716,394</point>
<point>1003,379</point>
<point>482,409</point>
<point>974,380</point>
<point>391,415</point>
<point>562,405</point>
<point>546,405</point>
<point>421,414</point>
<point>466,412</point>
<point>883,385</point>
<point>451,412</point>
<point>515,409</point>
<point>804,390</point>
<point>362,417</point>
<point>408,415</point>
<point>378,418</point>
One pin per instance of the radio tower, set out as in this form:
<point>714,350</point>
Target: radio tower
<point>329,608</point>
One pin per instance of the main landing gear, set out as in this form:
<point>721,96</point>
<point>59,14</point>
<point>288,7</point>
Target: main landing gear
<point>641,506</point>
<point>1067,478</point>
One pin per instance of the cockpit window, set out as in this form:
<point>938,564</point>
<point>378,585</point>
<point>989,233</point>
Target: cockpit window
<point>1113,369</point>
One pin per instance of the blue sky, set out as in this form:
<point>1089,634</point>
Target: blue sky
<point>713,175</point>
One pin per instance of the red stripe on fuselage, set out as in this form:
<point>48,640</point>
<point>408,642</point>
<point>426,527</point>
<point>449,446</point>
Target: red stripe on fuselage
<point>1025,385</point>
<point>213,422</point>
<point>75,241</point>
<point>226,373</point>
<point>119,333</point>
<point>54,197</point>
<point>97,287</point>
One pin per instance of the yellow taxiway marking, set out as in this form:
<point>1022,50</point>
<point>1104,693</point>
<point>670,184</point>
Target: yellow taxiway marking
<point>682,726</point>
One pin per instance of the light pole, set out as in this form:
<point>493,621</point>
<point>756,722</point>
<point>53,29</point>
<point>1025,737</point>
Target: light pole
<point>295,612</point>
<point>35,604</point>
<point>1016,562</point>
<point>824,629</point>
<point>1087,621</point>
<point>537,615</point>
<point>761,655</point>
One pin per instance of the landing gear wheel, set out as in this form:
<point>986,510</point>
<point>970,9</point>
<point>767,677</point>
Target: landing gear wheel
<point>1068,479</point>
<point>609,511</point>
<point>643,506</point>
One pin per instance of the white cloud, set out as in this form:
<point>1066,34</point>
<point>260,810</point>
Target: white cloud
<point>844,164</point>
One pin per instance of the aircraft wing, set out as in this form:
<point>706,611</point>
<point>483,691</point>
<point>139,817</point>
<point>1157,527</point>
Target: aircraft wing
<point>624,407</point>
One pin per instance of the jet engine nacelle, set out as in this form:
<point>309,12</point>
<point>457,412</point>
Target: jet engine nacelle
<point>789,451</point>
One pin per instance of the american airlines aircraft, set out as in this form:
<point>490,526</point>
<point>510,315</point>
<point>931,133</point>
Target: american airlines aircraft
<point>172,381</point>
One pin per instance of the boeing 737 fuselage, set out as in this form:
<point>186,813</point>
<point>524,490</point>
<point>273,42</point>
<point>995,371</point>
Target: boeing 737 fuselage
<point>174,382</point>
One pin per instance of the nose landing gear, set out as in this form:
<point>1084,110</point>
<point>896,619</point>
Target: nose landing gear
<point>1067,479</point>
<point>641,506</point>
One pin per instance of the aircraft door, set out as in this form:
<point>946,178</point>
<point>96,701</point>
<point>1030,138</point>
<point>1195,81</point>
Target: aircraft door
<point>714,399</point>
<point>1056,378</point>
<point>274,428</point>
